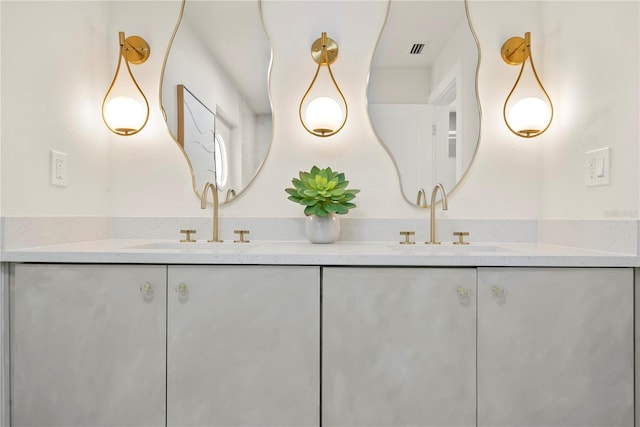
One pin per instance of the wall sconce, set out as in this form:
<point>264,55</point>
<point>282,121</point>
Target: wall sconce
<point>323,116</point>
<point>529,116</point>
<point>123,114</point>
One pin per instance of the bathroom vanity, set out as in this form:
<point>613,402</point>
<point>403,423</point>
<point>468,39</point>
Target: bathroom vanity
<point>301,334</point>
<point>232,346</point>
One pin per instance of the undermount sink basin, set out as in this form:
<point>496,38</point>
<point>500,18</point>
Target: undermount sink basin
<point>229,247</point>
<point>220,247</point>
<point>451,249</point>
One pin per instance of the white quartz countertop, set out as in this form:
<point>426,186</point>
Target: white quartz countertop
<point>304,253</point>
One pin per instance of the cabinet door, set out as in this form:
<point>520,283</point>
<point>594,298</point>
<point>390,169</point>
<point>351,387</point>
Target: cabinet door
<point>555,347</point>
<point>243,346</point>
<point>398,347</point>
<point>87,345</point>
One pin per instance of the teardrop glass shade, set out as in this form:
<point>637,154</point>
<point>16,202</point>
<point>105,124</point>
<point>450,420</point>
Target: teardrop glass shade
<point>125,109</point>
<point>324,115</point>
<point>124,114</point>
<point>528,110</point>
<point>529,116</point>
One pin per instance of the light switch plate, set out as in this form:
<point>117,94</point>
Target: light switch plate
<point>59,168</point>
<point>597,167</point>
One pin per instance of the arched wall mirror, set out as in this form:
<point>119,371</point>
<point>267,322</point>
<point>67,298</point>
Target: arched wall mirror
<point>214,92</point>
<point>422,93</point>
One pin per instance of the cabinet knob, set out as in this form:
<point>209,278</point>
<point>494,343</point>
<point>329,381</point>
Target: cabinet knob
<point>462,292</point>
<point>497,291</point>
<point>182,290</point>
<point>146,289</point>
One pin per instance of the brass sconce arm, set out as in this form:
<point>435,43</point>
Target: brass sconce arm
<point>324,52</point>
<point>516,51</point>
<point>134,50</point>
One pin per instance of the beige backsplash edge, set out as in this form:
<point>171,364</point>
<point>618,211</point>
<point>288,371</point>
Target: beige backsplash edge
<point>25,232</point>
<point>611,235</point>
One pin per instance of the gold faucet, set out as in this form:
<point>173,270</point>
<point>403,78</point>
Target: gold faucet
<point>203,205</point>
<point>231,193</point>
<point>432,228</point>
<point>422,197</point>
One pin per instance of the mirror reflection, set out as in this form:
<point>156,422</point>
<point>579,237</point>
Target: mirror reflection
<point>422,97</point>
<point>214,92</point>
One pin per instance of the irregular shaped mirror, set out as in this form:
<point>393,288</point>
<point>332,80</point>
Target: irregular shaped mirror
<point>214,92</point>
<point>422,95</point>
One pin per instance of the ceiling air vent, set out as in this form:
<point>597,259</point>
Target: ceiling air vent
<point>418,47</point>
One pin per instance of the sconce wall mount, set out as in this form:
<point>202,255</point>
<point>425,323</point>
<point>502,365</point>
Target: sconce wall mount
<point>532,116</point>
<point>324,45</point>
<point>136,49</point>
<point>124,115</point>
<point>514,51</point>
<point>323,116</point>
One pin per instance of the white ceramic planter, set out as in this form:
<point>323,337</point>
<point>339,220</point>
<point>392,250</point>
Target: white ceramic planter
<point>321,229</point>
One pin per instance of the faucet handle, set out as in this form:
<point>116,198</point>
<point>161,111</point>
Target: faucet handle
<point>407,237</point>
<point>241,233</point>
<point>461,235</point>
<point>188,234</point>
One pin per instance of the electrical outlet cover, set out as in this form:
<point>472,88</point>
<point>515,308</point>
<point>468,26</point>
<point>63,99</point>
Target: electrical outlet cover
<point>59,168</point>
<point>597,167</point>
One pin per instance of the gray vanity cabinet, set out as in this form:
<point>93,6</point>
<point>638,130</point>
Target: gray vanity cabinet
<point>243,346</point>
<point>555,347</point>
<point>399,346</point>
<point>87,345</point>
<point>236,345</point>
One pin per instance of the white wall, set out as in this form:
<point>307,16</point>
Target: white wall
<point>504,182</point>
<point>255,156</point>
<point>55,104</point>
<point>4,360</point>
<point>591,70</point>
<point>504,179</point>
<point>292,28</point>
<point>187,48</point>
<point>461,55</point>
<point>399,86</point>
<point>149,174</point>
<point>1,239</point>
<point>54,76</point>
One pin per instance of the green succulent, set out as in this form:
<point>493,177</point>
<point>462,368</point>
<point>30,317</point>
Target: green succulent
<point>321,192</point>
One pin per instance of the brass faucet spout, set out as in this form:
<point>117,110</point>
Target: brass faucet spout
<point>421,200</point>
<point>203,205</point>
<point>440,187</point>
<point>432,221</point>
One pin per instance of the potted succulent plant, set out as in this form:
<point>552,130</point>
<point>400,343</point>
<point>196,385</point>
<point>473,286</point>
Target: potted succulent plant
<point>324,195</point>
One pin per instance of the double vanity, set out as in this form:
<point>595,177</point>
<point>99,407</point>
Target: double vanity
<point>522,326</point>
<point>158,332</point>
